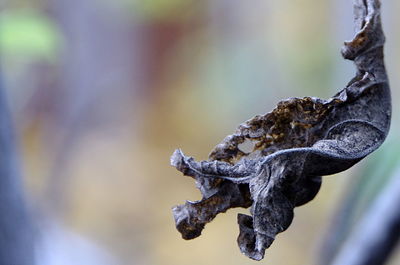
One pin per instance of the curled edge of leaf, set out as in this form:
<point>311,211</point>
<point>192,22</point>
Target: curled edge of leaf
<point>294,145</point>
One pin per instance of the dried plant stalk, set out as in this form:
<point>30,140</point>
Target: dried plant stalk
<point>299,141</point>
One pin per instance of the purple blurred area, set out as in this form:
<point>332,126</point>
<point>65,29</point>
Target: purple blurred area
<point>103,91</point>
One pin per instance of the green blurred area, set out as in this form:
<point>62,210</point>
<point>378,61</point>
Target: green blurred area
<point>102,92</point>
<point>28,33</point>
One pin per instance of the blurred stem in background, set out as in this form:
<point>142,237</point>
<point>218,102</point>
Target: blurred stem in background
<point>97,76</point>
<point>16,231</point>
<point>377,233</point>
<point>365,229</point>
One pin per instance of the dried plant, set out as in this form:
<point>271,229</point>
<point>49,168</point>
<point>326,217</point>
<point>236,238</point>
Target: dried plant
<point>299,141</point>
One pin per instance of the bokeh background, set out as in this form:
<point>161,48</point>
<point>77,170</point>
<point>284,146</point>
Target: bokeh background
<point>103,91</point>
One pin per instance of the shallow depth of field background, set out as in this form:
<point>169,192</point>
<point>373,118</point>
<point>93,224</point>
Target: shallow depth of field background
<point>103,91</point>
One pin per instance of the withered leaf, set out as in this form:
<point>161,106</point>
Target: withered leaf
<point>299,141</point>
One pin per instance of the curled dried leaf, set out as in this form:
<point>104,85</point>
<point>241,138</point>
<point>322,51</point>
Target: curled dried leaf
<point>292,146</point>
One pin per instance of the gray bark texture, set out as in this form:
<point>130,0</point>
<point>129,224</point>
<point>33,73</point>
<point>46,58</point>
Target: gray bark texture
<point>294,145</point>
<point>16,233</point>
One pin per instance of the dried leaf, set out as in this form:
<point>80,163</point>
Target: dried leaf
<point>299,141</point>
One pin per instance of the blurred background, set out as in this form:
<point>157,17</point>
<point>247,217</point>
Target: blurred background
<point>102,92</point>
